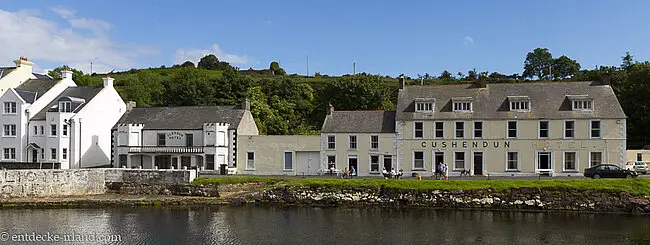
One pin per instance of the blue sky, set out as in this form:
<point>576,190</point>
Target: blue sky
<point>387,38</point>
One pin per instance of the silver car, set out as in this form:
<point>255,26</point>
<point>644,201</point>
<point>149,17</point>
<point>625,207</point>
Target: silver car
<point>639,167</point>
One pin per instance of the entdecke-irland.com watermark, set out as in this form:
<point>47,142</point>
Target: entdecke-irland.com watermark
<point>58,237</point>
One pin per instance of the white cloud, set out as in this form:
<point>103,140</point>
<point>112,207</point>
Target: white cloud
<point>195,55</point>
<point>468,40</point>
<point>26,34</point>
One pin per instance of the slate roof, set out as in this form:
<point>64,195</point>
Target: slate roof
<point>183,117</point>
<point>359,122</point>
<point>35,88</point>
<point>548,100</point>
<point>85,93</point>
<point>5,70</point>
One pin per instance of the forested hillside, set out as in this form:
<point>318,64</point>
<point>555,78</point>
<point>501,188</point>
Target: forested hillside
<point>293,104</point>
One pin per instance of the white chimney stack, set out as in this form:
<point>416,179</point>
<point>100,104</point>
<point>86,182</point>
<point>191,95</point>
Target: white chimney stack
<point>25,64</point>
<point>66,74</point>
<point>108,81</point>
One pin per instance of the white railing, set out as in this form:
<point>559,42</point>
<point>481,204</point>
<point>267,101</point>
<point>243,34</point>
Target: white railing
<point>166,149</point>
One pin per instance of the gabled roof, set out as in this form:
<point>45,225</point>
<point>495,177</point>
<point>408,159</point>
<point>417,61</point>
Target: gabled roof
<point>41,76</point>
<point>6,70</point>
<point>548,101</point>
<point>37,87</point>
<point>359,122</point>
<point>183,117</point>
<point>79,93</point>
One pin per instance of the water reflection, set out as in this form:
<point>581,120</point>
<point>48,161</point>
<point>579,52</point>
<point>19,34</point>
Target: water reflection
<point>272,225</point>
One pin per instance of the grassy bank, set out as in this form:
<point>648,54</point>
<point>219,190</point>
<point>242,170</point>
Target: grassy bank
<point>639,187</point>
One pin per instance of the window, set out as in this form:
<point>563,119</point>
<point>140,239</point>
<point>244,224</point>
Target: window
<point>440,130</point>
<point>9,130</point>
<point>209,161</point>
<point>10,108</point>
<point>418,160</point>
<point>221,138</point>
<point>595,129</point>
<point>42,130</point>
<point>65,130</point>
<point>478,130</point>
<point>512,163</point>
<point>65,106</point>
<point>288,160</point>
<point>331,142</point>
<point>123,160</point>
<point>374,141</point>
<point>519,105</point>
<point>595,158</point>
<point>464,106</point>
<point>52,129</point>
<point>53,153</point>
<point>43,153</point>
<point>161,139</point>
<point>189,140</point>
<point>423,107</point>
<point>64,151</point>
<point>419,131</point>
<point>582,105</point>
<point>331,162</point>
<point>374,163</point>
<point>639,157</point>
<point>35,130</point>
<point>9,154</point>
<point>353,141</point>
<point>569,129</point>
<point>459,160</point>
<point>512,129</point>
<point>250,160</point>
<point>460,130</point>
<point>570,161</point>
<point>544,129</point>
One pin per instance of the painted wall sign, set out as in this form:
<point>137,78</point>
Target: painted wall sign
<point>175,136</point>
<point>466,144</point>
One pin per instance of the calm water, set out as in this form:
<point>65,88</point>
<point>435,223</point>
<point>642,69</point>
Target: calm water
<point>261,225</point>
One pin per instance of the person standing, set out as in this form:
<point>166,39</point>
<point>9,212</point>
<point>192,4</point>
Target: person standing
<point>443,170</point>
<point>353,172</point>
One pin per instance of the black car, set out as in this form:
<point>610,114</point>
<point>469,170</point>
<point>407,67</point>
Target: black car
<point>608,171</point>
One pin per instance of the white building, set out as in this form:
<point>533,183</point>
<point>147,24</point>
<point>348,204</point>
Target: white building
<point>12,77</point>
<point>176,137</point>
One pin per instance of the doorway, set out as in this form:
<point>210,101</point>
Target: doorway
<point>353,162</point>
<point>438,158</point>
<point>478,163</point>
<point>34,156</point>
<point>388,162</point>
<point>543,160</point>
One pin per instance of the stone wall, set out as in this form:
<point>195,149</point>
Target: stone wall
<point>513,199</point>
<point>150,176</point>
<point>29,165</point>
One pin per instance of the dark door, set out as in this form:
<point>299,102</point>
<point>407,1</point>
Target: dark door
<point>353,163</point>
<point>186,161</point>
<point>175,162</point>
<point>544,160</point>
<point>34,155</point>
<point>439,158</point>
<point>478,163</point>
<point>388,163</point>
<point>189,139</point>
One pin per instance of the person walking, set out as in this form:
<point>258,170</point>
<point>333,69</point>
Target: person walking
<point>443,170</point>
<point>353,172</point>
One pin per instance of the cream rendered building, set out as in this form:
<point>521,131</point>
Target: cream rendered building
<point>12,77</point>
<point>509,129</point>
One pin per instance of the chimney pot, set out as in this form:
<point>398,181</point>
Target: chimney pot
<point>402,82</point>
<point>331,109</point>
<point>66,74</point>
<point>130,105</point>
<point>108,81</point>
<point>246,105</point>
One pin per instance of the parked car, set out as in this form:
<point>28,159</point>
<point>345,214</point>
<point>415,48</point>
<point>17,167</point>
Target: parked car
<point>609,171</point>
<point>638,166</point>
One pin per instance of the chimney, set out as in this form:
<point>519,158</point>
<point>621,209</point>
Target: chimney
<point>331,109</point>
<point>246,105</point>
<point>402,82</point>
<point>66,74</point>
<point>23,62</point>
<point>108,81</point>
<point>130,105</point>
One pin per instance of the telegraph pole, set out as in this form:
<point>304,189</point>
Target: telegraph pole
<point>354,68</point>
<point>307,64</point>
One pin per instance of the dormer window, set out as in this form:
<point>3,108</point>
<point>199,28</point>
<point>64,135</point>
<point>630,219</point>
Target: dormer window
<point>581,102</point>
<point>65,106</point>
<point>424,104</point>
<point>462,104</point>
<point>519,103</point>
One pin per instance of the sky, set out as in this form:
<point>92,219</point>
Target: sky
<point>381,37</point>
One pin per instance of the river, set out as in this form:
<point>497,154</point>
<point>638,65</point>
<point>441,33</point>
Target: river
<point>298,225</point>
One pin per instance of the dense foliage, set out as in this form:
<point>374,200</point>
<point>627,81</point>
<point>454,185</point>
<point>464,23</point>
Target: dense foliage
<point>293,104</point>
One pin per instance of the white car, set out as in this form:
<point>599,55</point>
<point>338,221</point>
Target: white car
<point>639,167</point>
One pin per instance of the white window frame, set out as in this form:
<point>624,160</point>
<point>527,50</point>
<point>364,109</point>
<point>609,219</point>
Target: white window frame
<point>284,161</point>
<point>42,130</point>
<point>370,163</point>
<point>508,129</point>
<point>424,161</point>
<point>537,169</point>
<point>333,142</point>
<point>474,129</point>
<point>356,142</point>
<point>12,130</point>
<point>539,129</point>
<point>601,158</point>
<point>64,153</point>
<point>372,142</point>
<point>517,162</point>
<point>456,129</point>
<point>435,130</point>
<point>582,105</point>
<point>462,106</point>
<point>464,160</point>
<point>328,163</point>
<point>600,129</point>
<point>248,167</point>
<point>8,109</point>
<point>54,152</point>
<point>518,105</point>
<point>53,133</point>
<point>35,130</point>
<point>64,130</point>
<point>65,106</point>
<point>423,106</point>
<point>415,129</point>
<point>564,169</point>
<point>564,129</point>
<point>8,151</point>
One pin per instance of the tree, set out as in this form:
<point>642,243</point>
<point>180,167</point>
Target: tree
<point>188,64</point>
<point>188,87</point>
<point>211,62</point>
<point>564,67</point>
<point>357,93</point>
<point>472,75</point>
<point>628,61</point>
<point>460,75</point>
<point>446,75</point>
<point>537,63</point>
<point>275,66</point>
<point>78,76</point>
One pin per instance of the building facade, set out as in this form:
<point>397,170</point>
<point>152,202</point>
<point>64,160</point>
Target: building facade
<point>278,154</point>
<point>202,137</point>
<point>509,129</point>
<point>12,77</point>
